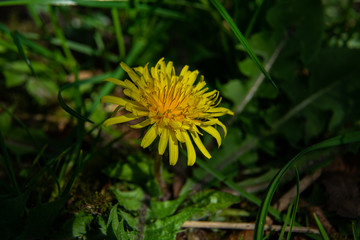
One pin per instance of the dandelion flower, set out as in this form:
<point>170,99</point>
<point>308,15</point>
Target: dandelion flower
<point>171,106</point>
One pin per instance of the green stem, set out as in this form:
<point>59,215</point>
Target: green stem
<point>118,32</point>
<point>158,176</point>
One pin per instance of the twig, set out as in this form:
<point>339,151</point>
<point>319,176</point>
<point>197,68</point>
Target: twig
<point>244,226</point>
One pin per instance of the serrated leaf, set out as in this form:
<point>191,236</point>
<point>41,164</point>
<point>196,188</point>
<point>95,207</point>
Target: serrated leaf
<point>167,228</point>
<point>77,225</point>
<point>162,209</point>
<point>212,201</point>
<point>130,200</point>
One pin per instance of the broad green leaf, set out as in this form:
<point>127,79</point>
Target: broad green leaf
<point>130,200</point>
<point>162,209</point>
<point>77,225</point>
<point>212,201</point>
<point>42,90</point>
<point>167,228</point>
<point>234,91</point>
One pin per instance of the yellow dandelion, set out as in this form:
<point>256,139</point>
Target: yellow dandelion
<point>172,106</point>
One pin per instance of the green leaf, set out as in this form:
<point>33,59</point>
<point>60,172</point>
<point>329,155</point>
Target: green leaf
<point>212,201</point>
<point>130,200</point>
<point>248,68</point>
<point>42,90</point>
<point>167,228</point>
<point>15,73</point>
<point>162,209</point>
<point>234,91</point>
<point>131,221</point>
<point>115,228</point>
<point>77,225</point>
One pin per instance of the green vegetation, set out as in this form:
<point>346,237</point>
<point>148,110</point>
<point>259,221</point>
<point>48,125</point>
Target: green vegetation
<point>289,70</point>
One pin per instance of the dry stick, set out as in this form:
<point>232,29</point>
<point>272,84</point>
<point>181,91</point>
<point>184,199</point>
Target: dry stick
<point>244,226</point>
<point>286,199</point>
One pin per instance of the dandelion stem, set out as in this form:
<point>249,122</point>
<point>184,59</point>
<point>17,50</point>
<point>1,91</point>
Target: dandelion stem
<point>158,176</point>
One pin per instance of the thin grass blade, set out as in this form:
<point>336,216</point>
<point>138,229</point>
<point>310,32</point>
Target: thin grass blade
<point>296,204</point>
<point>241,38</point>
<point>15,36</point>
<point>354,229</point>
<point>332,142</point>
<point>286,221</point>
<point>321,228</point>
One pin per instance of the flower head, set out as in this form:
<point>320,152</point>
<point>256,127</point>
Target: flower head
<point>171,106</point>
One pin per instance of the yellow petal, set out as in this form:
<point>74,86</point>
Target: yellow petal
<point>192,77</point>
<point>173,149</point>
<point>169,69</point>
<point>223,127</point>
<point>200,145</point>
<point>114,100</point>
<point>179,136</point>
<point>142,124</point>
<point>149,137</point>
<point>164,138</point>
<point>130,72</point>
<point>175,124</point>
<point>220,110</point>
<point>190,149</point>
<point>119,119</point>
<point>184,70</point>
<point>213,132</point>
<point>130,85</point>
<point>132,94</point>
<point>115,81</point>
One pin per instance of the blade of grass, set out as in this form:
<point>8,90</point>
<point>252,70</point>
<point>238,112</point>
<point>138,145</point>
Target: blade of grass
<point>53,55</point>
<point>354,230</point>
<point>286,221</point>
<point>332,142</point>
<point>61,36</point>
<point>253,20</point>
<point>295,206</point>
<point>241,38</point>
<point>15,36</point>
<point>321,228</point>
<point>35,16</point>
<point>118,32</point>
